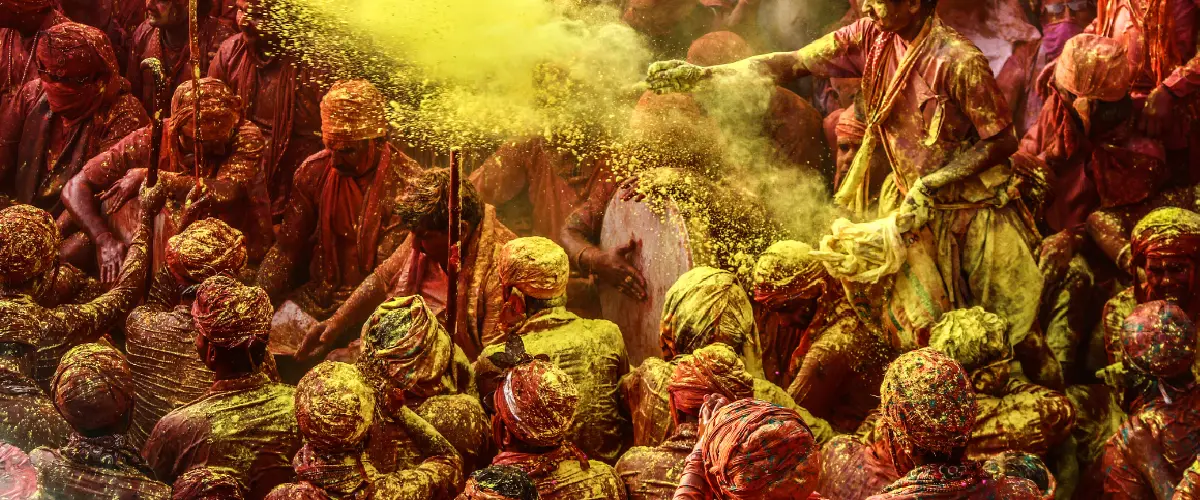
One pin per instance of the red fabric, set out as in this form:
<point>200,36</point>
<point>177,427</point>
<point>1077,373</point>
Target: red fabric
<point>344,197</point>
<point>93,388</point>
<point>927,401</point>
<point>18,53</point>
<point>206,248</point>
<point>28,243</point>
<point>1159,340</point>
<point>1151,450</point>
<point>718,47</point>
<point>26,6</point>
<point>750,448</point>
<point>229,314</point>
<point>18,477</point>
<point>147,42</point>
<point>74,49</point>
<point>536,404</point>
<point>966,481</point>
<point>205,483</point>
<point>713,369</point>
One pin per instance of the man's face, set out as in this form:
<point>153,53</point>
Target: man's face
<point>350,157</point>
<point>847,148</point>
<point>1170,278</point>
<point>216,138</point>
<point>1078,12</point>
<point>891,15</point>
<point>249,17</point>
<point>435,244</point>
<point>165,13</point>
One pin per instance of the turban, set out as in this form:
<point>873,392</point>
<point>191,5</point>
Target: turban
<point>756,450</point>
<point>500,482</point>
<point>93,388</point>
<point>672,130</point>
<point>404,343</point>
<point>220,108</point>
<point>334,406</point>
<point>28,244</point>
<point>353,110</point>
<point>710,369</point>
<point>207,483</point>
<point>536,266</point>
<point>704,306</point>
<point>27,6</point>
<point>927,401</point>
<point>1093,68</point>
<point>849,126</point>
<point>1165,232</point>
<point>536,403</point>
<point>718,47</point>
<point>77,49</point>
<point>785,271</point>
<point>1159,339</point>
<point>972,337</point>
<point>18,476</point>
<point>1015,464</point>
<point>230,314</point>
<point>206,248</point>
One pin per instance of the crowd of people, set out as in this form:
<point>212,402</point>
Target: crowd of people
<point>240,285</point>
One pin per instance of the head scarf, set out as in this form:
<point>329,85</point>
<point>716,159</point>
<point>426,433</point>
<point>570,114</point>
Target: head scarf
<point>207,248</point>
<point>18,476</point>
<point>28,6</point>
<point>536,266</point>
<point>79,49</point>
<point>1094,68</point>
<point>207,483</point>
<point>220,109</point>
<point>353,110</point>
<point>1165,232</point>
<point>537,403</point>
<point>849,125</point>
<point>334,406</point>
<point>785,271</point>
<point>927,401</point>
<point>972,337</point>
<point>718,47</point>
<point>93,388</point>
<point>704,306</point>
<point>230,314</point>
<point>404,344</point>
<point>750,448</point>
<point>29,243</point>
<point>1159,339</point>
<point>712,369</point>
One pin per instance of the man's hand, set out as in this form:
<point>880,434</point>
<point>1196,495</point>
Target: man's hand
<point>916,209</point>
<point>124,190</point>
<point>712,403</point>
<point>318,341</point>
<point>152,198</point>
<point>665,77</point>
<point>613,268</point>
<point>111,253</point>
<point>1054,257</point>
<point>1159,111</point>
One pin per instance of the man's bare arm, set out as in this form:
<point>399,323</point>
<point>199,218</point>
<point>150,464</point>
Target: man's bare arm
<point>984,154</point>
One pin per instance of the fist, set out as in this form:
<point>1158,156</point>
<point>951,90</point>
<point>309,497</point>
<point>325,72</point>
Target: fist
<point>665,77</point>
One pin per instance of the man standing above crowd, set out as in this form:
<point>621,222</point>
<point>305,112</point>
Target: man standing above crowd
<point>164,35</point>
<point>22,23</point>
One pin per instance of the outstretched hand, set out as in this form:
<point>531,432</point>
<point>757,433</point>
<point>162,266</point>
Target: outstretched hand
<point>665,77</point>
<point>318,340</point>
<point>614,267</point>
<point>124,189</point>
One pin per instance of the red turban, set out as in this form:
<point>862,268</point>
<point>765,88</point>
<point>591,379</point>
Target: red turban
<point>76,50</point>
<point>849,126</point>
<point>708,370</point>
<point>353,110</point>
<point>93,388</point>
<point>1165,232</point>
<point>230,314</point>
<point>18,476</point>
<point>536,403</point>
<point>672,130</point>
<point>756,450</point>
<point>334,407</point>
<point>1159,339</point>
<point>404,343</point>
<point>718,47</point>
<point>27,6</point>
<point>787,271</point>
<point>536,266</point>
<point>207,483</point>
<point>29,242</point>
<point>220,108</point>
<point>927,401</point>
<point>207,248</point>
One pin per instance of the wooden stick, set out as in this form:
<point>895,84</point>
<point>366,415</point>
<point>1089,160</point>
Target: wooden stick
<point>455,242</point>
<point>194,62</point>
<point>154,67</point>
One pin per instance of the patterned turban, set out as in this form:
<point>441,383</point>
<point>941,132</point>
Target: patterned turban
<point>927,401</point>
<point>334,406</point>
<point>205,249</point>
<point>78,49</point>
<point>1015,464</point>
<point>28,244</point>
<point>756,450</point>
<point>711,369</point>
<point>1094,68</point>
<point>707,305</point>
<point>848,125</point>
<point>27,6</point>
<point>972,337</point>
<point>230,314</point>
<point>536,266</point>
<point>93,388</point>
<point>536,403</point>
<point>404,344</point>
<point>786,271</point>
<point>208,483</point>
<point>1159,339</point>
<point>718,47</point>
<point>353,110</point>
<point>18,476</point>
<point>220,107</point>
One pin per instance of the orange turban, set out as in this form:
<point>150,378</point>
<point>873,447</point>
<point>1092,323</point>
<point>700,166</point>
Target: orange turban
<point>29,242</point>
<point>786,271</point>
<point>353,110</point>
<point>718,47</point>
<point>404,343</point>
<point>708,370</point>
<point>230,314</point>
<point>1093,68</point>
<point>536,266</point>
<point>928,401</point>
<point>756,450</point>
<point>334,407</point>
<point>537,403</point>
<point>849,126</point>
<point>220,108</point>
<point>206,248</point>
<point>93,388</point>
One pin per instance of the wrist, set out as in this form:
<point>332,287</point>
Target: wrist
<point>105,238</point>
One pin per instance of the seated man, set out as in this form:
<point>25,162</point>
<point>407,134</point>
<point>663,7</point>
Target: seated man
<point>28,418</point>
<point>22,23</point>
<point>652,473</point>
<point>812,340</point>
<point>244,422</point>
<point>229,185</point>
<point>346,196</point>
<point>335,408</point>
<point>418,267</point>
<point>499,482</point>
<point>534,408</point>
<point>160,337</point>
<point>534,273</point>
<point>93,390</point>
<point>164,35</point>
<point>409,357</point>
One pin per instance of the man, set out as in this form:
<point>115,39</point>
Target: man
<point>164,35</point>
<point>244,422</point>
<point>160,335</point>
<point>934,109</point>
<point>28,418</point>
<point>750,449</point>
<point>345,195</point>
<point>1060,21</point>
<point>928,408</point>
<point>78,107</point>
<point>534,274</point>
<point>22,23</point>
<point>534,408</point>
<point>229,185</point>
<point>813,342</point>
<point>335,408</point>
<point>418,266</point>
<point>207,483</point>
<point>652,473</point>
<point>93,390</point>
<point>280,95</point>
<point>420,375</point>
<point>1147,456</point>
<point>499,482</point>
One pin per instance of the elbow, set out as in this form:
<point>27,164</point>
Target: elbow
<point>1006,143</point>
<point>76,189</point>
